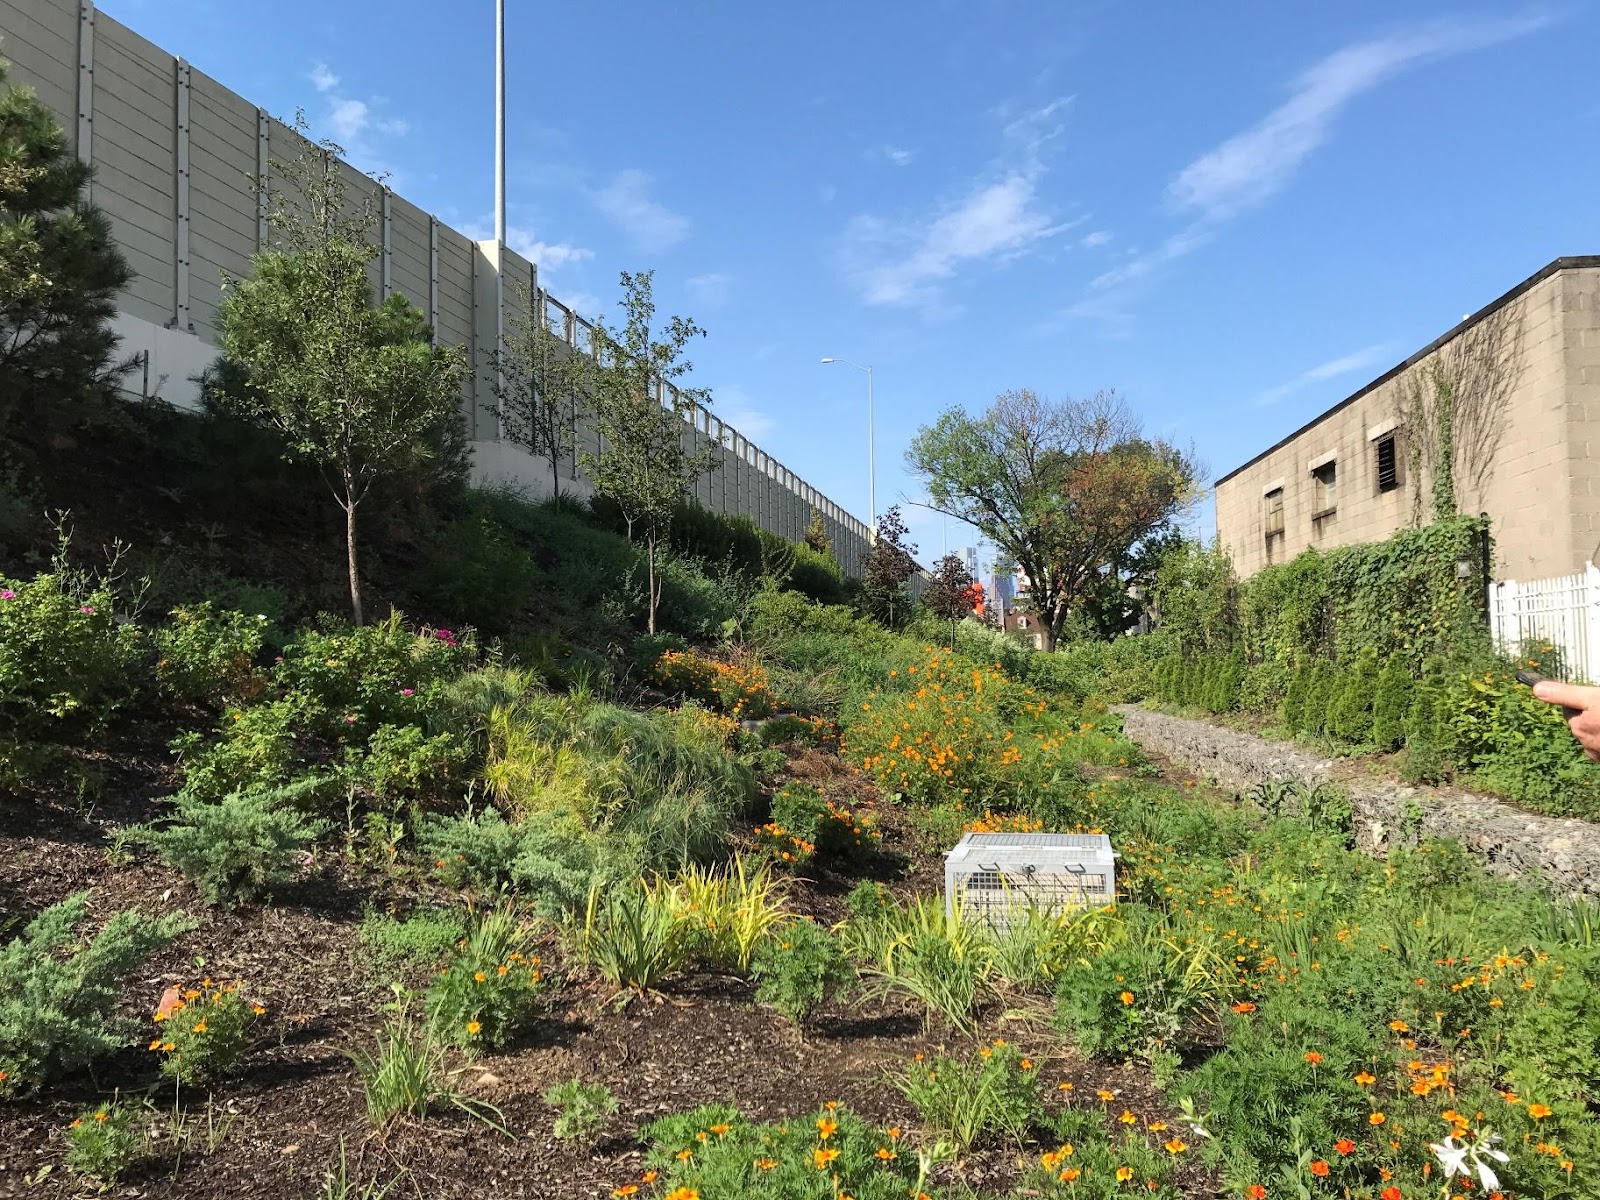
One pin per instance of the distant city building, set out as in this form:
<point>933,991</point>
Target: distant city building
<point>1003,587</point>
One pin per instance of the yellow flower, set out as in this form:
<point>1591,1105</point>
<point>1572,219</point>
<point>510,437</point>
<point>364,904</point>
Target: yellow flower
<point>1124,1174</point>
<point>886,1154</point>
<point>1539,1111</point>
<point>626,1189</point>
<point>826,1128</point>
<point>820,1158</point>
<point>473,1027</point>
<point>200,1026</point>
<point>1127,1118</point>
<point>480,976</point>
<point>766,1164</point>
<point>1176,1146</point>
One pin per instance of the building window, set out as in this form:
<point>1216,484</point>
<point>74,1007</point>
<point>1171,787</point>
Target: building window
<point>1274,502</point>
<point>1326,498</point>
<point>1388,463</point>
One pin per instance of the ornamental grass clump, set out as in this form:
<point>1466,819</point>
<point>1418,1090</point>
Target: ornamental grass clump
<point>632,935</point>
<point>722,914</point>
<point>406,1073</point>
<point>202,1032</point>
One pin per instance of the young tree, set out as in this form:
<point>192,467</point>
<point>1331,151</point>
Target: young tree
<point>355,387</point>
<point>60,270</point>
<point>644,465</point>
<point>1064,488</point>
<point>816,536</point>
<point>949,593</point>
<point>889,563</point>
<point>537,381</point>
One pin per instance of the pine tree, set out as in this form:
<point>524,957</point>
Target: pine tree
<point>1391,704</point>
<point>816,535</point>
<point>1352,711</point>
<point>1293,710</point>
<point>1319,703</point>
<point>60,270</point>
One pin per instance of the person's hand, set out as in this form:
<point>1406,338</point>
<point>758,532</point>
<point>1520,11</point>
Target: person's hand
<point>1583,711</point>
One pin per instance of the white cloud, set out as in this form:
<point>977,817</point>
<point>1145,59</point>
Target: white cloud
<point>827,192</point>
<point>651,226</point>
<point>1345,364</point>
<point>585,304</point>
<point>1139,265</point>
<point>710,289</point>
<point>999,218</point>
<point>1098,238</point>
<point>1251,166</point>
<point>355,124</point>
<point>548,256</point>
<point>731,405</point>
<point>898,157</point>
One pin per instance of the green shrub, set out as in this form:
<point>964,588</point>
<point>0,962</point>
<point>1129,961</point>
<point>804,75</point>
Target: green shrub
<point>797,967</point>
<point>831,830</point>
<point>201,1034</point>
<point>58,989</point>
<point>1351,717</point>
<point>491,986</point>
<point>992,1094</point>
<point>259,747</point>
<point>714,1152</point>
<point>422,939</point>
<point>105,1140</point>
<point>920,952</point>
<point>401,764</point>
<point>65,665</point>
<point>475,573</point>
<point>552,864</point>
<point>582,1109</point>
<point>1146,993</point>
<point>208,657</point>
<point>1390,703</point>
<point>240,847</point>
<point>1425,741</point>
<point>722,914</point>
<point>1295,700</point>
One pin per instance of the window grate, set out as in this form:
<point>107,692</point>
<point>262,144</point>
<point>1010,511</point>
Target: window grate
<point>1388,465</point>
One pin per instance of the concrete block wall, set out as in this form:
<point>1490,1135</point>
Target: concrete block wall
<point>177,157</point>
<point>1531,362</point>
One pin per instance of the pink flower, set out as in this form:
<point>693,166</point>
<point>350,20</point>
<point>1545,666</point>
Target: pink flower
<point>408,691</point>
<point>445,636</point>
<point>7,594</point>
<point>86,609</point>
<point>349,718</point>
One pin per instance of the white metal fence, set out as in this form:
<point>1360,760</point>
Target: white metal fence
<point>1564,611</point>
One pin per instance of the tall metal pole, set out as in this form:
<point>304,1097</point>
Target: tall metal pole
<point>500,206</point>
<point>872,463</point>
<point>500,123</point>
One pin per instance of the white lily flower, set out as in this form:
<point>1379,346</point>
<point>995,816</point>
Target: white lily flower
<point>1454,1158</point>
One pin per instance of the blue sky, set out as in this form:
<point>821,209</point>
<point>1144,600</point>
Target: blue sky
<point>1233,213</point>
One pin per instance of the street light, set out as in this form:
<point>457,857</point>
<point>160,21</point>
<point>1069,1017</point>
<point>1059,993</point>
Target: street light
<point>872,481</point>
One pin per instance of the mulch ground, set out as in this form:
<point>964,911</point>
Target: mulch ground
<point>297,1104</point>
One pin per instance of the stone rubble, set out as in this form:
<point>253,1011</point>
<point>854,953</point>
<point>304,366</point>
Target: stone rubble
<point>1563,852</point>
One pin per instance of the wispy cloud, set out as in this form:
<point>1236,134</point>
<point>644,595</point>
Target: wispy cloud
<point>1346,364</point>
<point>1251,166</point>
<point>549,256</point>
<point>996,219</point>
<point>355,123</point>
<point>1094,239</point>
<point>650,225</point>
<point>895,156</point>
<point>733,405</point>
<point>711,289</point>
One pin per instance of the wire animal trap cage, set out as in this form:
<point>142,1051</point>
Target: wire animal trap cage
<point>991,875</point>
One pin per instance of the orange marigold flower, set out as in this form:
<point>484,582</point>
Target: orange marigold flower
<point>1399,1027</point>
<point>886,1154</point>
<point>683,1193</point>
<point>473,1027</point>
<point>1319,1168</point>
<point>1244,1006</point>
<point>626,1189</point>
<point>1126,997</point>
<point>1069,1174</point>
<point>1345,1146</point>
<point>1175,1145</point>
<point>1390,1193</point>
<point>1376,1118</point>
<point>1127,1118</point>
<point>766,1164</point>
<point>1313,1057</point>
<point>1256,1192</point>
<point>685,1155</point>
<point>826,1128</point>
<point>1124,1174</point>
<point>1539,1111</point>
<point>649,1176</point>
<point>820,1158</point>
<point>1366,1078</point>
